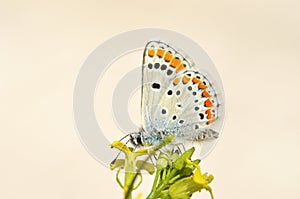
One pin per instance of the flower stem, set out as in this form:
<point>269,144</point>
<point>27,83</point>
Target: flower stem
<point>162,185</point>
<point>155,180</point>
<point>129,175</point>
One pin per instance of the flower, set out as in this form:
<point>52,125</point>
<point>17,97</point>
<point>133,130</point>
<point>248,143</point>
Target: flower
<point>177,176</point>
<point>185,187</point>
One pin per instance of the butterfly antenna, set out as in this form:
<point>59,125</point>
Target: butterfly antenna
<point>130,134</point>
<point>123,138</point>
<point>114,160</point>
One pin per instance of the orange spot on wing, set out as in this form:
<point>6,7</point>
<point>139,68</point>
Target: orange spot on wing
<point>185,79</point>
<point>180,68</point>
<point>168,56</point>
<point>205,94</point>
<point>151,52</point>
<point>209,122</point>
<point>208,103</point>
<point>195,80</point>
<point>160,52</point>
<point>175,62</point>
<point>201,85</point>
<point>209,114</point>
<point>176,81</point>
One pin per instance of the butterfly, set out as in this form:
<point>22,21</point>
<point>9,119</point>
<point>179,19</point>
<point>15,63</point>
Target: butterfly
<point>177,99</point>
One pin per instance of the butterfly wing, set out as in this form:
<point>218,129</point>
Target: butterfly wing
<point>158,73</point>
<point>176,98</point>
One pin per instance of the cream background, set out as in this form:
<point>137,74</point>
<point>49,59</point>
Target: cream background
<point>254,44</point>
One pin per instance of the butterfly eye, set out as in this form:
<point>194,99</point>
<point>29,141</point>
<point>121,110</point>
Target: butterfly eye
<point>170,92</point>
<point>174,117</point>
<point>181,121</point>
<point>196,108</point>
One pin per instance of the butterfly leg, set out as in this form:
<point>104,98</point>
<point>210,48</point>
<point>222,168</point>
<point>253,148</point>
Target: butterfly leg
<point>180,148</point>
<point>153,158</point>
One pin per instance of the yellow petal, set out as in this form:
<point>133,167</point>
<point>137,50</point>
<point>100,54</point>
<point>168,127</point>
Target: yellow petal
<point>118,163</point>
<point>198,178</point>
<point>142,151</point>
<point>140,164</point>
<point>121,146</point>
<point>139,196</point>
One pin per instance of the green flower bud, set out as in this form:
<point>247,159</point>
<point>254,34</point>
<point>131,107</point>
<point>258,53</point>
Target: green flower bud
<point>162,161</point>
<point>181,161</point>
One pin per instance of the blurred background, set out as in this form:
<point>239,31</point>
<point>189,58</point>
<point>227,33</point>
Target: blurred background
<point>255,46</point>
